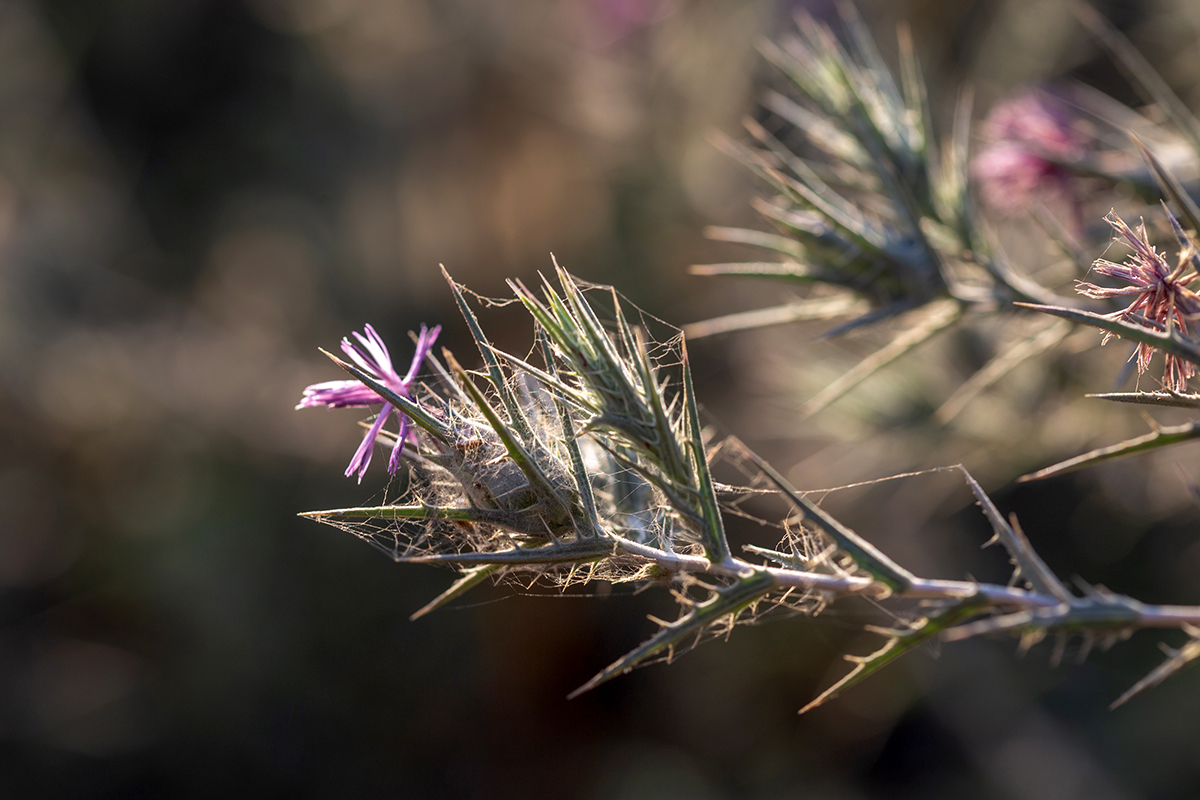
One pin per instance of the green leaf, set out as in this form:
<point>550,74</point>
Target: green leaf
<point>799,167</point>
<point>782,559</point>
<point>939,318</point>
<point>469,580</point>
<point>876,315</point>
<point>1161,437</point>
<point>507,397</point>
<point>1021,350</point>
<point>865,554</point>
<point>579,551</point>
<point>552,383</point>
<point>544,316</point>
<point>767,241</point>
<point>800,311</point>
<point>838,211</point>
<point>527,521</point>
<point>1138,69</point>
<point>822,133</point>
<point>716,546</point>
<point>402,512</point>
<point>1169,399</point>
<point>1176,662</point>
<point>668,445</point>
<point>1098,612</point>
<point>1168,341</point>
<point>916,97</point>
<point>628,395</point>
<point>1029,564</point>
<point>800,273</point>
<point>589,324</point>
<point>583,482</point>
<point>809,75</point>
<point>820,239</point>
<point>724,602</point>
<point>1187,244</point>
<point>581,335</point>
<point>539,482</point>
<point>951,187</point>
<point>899,643</point>
<point>1171,187</point>
<point>877,74</point>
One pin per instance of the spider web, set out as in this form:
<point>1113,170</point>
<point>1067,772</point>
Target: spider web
<point>476,472</point>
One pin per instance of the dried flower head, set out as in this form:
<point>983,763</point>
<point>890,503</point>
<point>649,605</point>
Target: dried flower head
<point>1160,291</point>
<point>371,354</point>
<point>1030,139</point>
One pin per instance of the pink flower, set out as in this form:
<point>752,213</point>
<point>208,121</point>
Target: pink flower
<point>1029,139</point>
<point>1160,293</point>
<point>371,355</point>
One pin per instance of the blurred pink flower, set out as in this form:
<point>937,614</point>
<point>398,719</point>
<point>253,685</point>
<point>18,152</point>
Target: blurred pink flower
<point>371,355</point>
<point>1161,293</point>
<point>607,22</point>
<point>1029,139</point>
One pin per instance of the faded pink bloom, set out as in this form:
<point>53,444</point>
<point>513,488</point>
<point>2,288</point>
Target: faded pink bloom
<point>1029,139</point>
<point>1161,294</point>
<point>604,23</point>
<point>371,355</point>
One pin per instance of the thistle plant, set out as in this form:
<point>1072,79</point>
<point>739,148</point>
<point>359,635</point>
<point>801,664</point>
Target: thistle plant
<point>587,460</point>
<point>1161,317</point>
<point>876,209</point>
<point>1160,293</point>
<point>877,213</point>
<point>1030,141</point>
<point>594,466</point>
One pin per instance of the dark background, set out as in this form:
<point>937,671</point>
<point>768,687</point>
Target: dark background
<point>196,194</point>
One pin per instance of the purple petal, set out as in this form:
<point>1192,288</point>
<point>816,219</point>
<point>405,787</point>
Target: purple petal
<point>362,456</point>
<point>361,358</point>
<point>424,345</point>
<point>368,350</point>
<point>374,344</point>
<point>394,461</point>
<point>338,394</point>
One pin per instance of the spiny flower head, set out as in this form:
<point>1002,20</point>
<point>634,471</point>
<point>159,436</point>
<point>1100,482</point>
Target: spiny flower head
<point>1160,292</point>
<point>371,354</point>
<point>1029,139</point>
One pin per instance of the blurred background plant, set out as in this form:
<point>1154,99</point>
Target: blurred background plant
<point>195,195</point>
<point>882,218</point>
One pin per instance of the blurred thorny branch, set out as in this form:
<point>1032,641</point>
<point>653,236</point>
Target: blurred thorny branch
<point>878,218</point>
<point>586,459</point>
